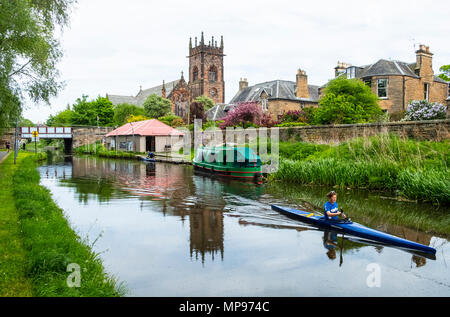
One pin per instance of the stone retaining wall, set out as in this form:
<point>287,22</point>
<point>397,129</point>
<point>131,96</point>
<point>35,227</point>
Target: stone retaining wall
<point>436,130</point>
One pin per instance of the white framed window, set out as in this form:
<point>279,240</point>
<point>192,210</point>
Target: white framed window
<point>426,91</point>
<point>351,72</point>
<point>264,104</point>
<point>382,85</point>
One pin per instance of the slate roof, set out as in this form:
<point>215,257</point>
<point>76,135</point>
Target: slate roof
<point>385,67</point>
<point>276,89</point>
<point>219,111</point>
<point>440,80</point>
<point>142,95</point>
<point>152,127</point>
<point>116,99</point>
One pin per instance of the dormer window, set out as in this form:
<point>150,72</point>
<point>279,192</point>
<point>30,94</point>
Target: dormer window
<point>264,104</point>
<point>351,72</point>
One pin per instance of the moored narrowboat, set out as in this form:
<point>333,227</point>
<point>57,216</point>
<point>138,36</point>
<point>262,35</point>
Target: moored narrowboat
<point>228,161</point>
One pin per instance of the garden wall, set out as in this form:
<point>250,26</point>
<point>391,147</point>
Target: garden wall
<point>436,130</point>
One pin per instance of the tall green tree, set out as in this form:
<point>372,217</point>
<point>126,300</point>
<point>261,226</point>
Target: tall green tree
<point>62,118</point>
<point>125,110</point>
<point>156,106</point>
<point>29,52</point>
<point>445,72</point>
<point>207,102</point>
<point>99,111</point>
<point>347,101</point>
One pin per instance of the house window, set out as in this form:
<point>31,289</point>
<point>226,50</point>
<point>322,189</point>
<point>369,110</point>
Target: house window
<point>264,104</point>
<point>351,72</point>
<point>382,88</point>
<point>368,83</point>
<point>426,90</point>
<point>448,91</point>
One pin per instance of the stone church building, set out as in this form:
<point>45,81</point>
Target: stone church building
<point>206,77</point>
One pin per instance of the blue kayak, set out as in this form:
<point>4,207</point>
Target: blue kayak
<point>148,159</point>
<point>353,228</point>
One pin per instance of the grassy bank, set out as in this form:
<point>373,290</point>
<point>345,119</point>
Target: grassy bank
<point>46,244</point>
<point>417,170</point>
<point>98,150</point>
<point>14,280</point>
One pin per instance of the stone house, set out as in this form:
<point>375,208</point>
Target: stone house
<point>279,96</point>
<point>397,83</point>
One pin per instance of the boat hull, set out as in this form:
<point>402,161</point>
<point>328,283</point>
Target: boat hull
<point>147,159</point>
<point>229,172</point>
<point>354,229</point>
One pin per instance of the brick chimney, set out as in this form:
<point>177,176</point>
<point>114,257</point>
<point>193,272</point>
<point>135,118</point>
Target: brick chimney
<point>340,68</point>
<point>243,83</point>
<point>424,63</point>
<point>301,87</point>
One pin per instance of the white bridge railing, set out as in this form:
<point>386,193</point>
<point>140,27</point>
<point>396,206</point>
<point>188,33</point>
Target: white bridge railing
<point>46,132</point>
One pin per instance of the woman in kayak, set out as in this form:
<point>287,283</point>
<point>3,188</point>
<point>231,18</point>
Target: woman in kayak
<point>330,208</point>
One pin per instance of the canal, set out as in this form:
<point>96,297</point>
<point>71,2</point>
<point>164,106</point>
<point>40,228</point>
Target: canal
<point>164,231</point>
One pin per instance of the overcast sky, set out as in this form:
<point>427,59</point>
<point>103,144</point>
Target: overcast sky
<point>114,46</point>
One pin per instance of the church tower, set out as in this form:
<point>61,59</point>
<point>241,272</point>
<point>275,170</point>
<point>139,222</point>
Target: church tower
<point>206,69</point>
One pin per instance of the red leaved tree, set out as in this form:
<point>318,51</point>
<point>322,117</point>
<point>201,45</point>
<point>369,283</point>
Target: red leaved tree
<point>248,114</point>
<point>197,111</point>
<point>244,114</point>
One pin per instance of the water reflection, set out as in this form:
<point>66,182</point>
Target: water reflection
<point>204,200</point>
<point>211,209</point>
<point>330,243</point>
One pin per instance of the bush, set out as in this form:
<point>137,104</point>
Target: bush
<point>294,116</point>
<point>247,114</point>
<point>156,106</point>
<point>291,124</point>
<point>136,118</point>
<point>123,111</point>
<point>423,110</point>
<point>172,120</point>
<point>347,101</point>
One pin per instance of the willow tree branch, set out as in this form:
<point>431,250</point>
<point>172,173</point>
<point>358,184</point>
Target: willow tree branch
<point>20,69</point>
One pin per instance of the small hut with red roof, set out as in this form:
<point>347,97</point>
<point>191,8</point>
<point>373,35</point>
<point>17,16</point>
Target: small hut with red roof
<point>143,136</point>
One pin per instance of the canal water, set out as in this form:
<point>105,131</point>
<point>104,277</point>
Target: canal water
<point>163,230</point>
